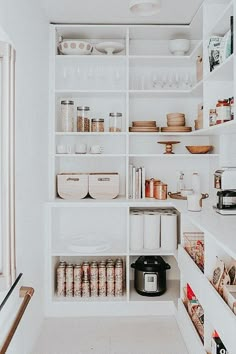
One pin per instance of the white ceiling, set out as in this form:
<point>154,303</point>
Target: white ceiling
<point>117,11</point>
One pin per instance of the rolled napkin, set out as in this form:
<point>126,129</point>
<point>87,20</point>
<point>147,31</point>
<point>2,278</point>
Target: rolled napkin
<point>136,231</point>
<point>169,231</point>
<point>151,230</point>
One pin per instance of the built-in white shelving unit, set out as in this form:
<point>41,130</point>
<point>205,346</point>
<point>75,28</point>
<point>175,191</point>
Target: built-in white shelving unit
<point>131,82</point>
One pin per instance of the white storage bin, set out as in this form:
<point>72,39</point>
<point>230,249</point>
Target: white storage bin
<point>72,185</point>
<point>104,185</point>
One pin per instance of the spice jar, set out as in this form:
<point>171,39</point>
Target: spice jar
<point>160,190</point>
<point>83,121</point>
<point>67,115</point>
<point>223,111</point>
<point>212,117</point>
<point>97,125</point>
<point>115,122</point>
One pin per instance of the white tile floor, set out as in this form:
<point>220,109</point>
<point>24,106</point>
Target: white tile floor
<point>119,335</point>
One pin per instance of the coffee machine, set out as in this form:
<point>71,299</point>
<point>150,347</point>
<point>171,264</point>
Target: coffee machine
<point>225,182</point>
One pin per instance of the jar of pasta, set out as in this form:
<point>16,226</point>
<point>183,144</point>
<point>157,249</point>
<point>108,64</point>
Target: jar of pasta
<point>83,121</point>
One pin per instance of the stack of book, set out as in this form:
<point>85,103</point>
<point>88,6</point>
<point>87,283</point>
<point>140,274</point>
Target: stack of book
<point>136,182</point>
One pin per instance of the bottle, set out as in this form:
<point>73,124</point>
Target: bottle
<point>196,183</point>
<point>180,182</point>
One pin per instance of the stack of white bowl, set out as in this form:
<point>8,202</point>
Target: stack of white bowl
<point>175,120</point>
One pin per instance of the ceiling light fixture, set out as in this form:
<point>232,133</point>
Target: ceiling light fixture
<point>145,7</point>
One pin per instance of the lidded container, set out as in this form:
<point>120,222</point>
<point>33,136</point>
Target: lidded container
<point>83,120</point>
<point>67,115</point>
<point>97,125</point>
<point>115,122</point>
<point>223,111</point>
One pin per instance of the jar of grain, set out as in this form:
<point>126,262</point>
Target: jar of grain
<point>115,122</point>
<point>97,125</point>
<point>83,121</point>
<point>67,115</point>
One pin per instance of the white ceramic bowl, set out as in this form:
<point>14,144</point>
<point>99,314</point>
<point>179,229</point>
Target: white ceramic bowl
<point>75,47</point>
<point>179,46</point>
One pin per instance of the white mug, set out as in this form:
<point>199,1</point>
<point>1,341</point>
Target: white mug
<point>194,202</point>
<point>96,149</point>
<point>80,148</point>
<point>64,149</point>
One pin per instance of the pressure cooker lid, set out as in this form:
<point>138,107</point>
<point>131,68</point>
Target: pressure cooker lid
<point>150,264</point>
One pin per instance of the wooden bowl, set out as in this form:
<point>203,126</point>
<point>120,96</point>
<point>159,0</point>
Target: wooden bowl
<point>199,149</point>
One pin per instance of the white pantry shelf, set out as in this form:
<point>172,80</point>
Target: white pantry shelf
<point>89,155</point>
<point>172,293</point>
<point>174,155</point>
<point>75,93</point>
<point>90,134</point>
<point>158,251</point>
<point>96,254</point>
<point>78,300</point>
<point>223,72</point>
<point>194,343</point>
<point>91,57</point>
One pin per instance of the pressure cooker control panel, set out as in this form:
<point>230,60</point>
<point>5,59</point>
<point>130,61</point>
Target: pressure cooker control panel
<point>150,282</point>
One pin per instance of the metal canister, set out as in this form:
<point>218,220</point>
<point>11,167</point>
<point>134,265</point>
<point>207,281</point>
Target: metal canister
<point>119,271</point>
<point>61,280</point>
<point>110,288</point>
<point>102,288</point>
<point>119,287</point>
<point>102,273</point>
<point>110,272</point>
<point>77,280</point>
<point>160,191</point>
<point>85,287</point>
<point>94,288</point>
<point>86,269</point>
<point>94,272</point>
<point>69,280</point>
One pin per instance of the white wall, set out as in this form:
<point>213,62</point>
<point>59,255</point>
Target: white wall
<point>27,27</point>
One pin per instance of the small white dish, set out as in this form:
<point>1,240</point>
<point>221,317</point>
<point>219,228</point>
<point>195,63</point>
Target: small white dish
<point>110,48</point>
<point>179,46</point>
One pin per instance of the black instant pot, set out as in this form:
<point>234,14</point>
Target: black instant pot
<point>150,275</point>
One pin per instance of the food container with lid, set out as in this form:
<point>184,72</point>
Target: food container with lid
<point>67,115</point>
<point>150,275</point>
<point>115,122</point>
<point>83,121</point>
<point>97,125</point>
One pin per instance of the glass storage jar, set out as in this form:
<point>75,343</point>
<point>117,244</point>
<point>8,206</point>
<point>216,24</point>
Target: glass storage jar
<point>83,121</point>
<point>67,115</point>
<point>97,125</point>
<point>223,111</point>
<point>115,122</point>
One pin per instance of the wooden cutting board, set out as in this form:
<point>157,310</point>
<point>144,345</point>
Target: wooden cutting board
<point>176,129</point>
<point>143,129</point>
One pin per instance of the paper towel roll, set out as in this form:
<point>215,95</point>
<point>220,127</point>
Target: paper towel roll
<point>169,231</point>
<point>151,230</point>
<point>136,231</point>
